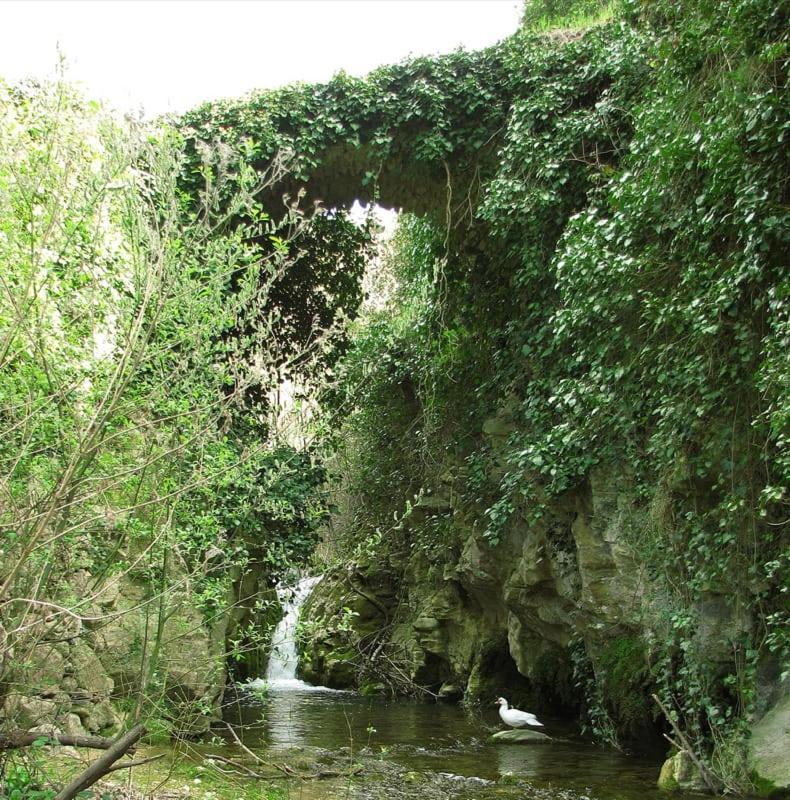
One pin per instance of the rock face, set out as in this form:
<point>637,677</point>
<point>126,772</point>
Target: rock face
<point>185,658</point>
<point>561,604</point>
<point>76,681</point>
<point>481,620</point>
<point>769,746</point>
<point>64,684</point>
<point>96,667</point>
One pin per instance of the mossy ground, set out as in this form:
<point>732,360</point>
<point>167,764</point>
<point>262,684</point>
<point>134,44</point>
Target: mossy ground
<point>183,771</point>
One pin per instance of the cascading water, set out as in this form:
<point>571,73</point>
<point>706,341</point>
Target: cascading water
<point>281,673</point>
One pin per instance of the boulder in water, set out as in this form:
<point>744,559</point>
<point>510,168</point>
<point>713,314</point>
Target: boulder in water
<point>520,737</point>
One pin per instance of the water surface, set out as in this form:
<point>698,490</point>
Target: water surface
<point>438,739</point>
<point>409,749</point>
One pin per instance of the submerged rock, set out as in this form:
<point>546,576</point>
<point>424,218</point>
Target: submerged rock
<point>521,737</point>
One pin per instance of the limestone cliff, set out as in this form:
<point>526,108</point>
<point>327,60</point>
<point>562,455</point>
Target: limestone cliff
<point>560,614</point>
<point>474,620</point>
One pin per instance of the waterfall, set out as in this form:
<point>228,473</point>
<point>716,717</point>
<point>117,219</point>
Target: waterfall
<point>281,673</point>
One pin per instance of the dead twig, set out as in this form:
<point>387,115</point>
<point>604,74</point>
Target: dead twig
<point>242,768</point>
<point>139,762</point>
<point>257,759</point>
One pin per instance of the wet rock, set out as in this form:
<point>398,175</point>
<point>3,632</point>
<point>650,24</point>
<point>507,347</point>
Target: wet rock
<point>254,606</point>
<point>520,737</point>
<point>340,673</point>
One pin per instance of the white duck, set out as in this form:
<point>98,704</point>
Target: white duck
<point>514,717</point>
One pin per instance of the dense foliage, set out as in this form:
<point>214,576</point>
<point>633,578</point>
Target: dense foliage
<point>596,249</point>
<point>622,291</point>
<point>134,328</point>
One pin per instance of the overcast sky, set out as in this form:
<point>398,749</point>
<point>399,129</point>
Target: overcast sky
<point>169,55</point>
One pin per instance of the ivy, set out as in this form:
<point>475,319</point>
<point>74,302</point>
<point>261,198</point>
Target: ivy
<point>597,246</point>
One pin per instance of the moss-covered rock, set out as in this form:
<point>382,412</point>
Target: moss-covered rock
<point>770,749</point>
<point>625,677</point>
<point>678,773</point>
<point>343,614</point>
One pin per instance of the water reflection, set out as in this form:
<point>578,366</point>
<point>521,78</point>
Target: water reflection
<point>331,719</point>
<point>437,738</point>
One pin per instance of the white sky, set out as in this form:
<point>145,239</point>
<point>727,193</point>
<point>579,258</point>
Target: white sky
<point>170,55</point>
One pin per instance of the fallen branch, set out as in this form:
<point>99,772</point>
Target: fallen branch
<point>243,769</point>
<point>18,739</point>
<point>288,772</point>
<point>338,773</point>
<point>102,765</point>
<point>257,759</point>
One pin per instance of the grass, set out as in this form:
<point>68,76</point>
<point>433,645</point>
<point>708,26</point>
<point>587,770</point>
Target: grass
<point>183,772</point>
<point>543,16</point>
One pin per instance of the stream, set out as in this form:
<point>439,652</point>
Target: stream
<point>428,740</point>
<point>423,750</point>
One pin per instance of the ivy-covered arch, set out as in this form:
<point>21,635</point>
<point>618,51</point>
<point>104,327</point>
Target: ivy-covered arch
<point>397,136</point>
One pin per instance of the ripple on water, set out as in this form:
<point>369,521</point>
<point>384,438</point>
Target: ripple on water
<point>419,750</point>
